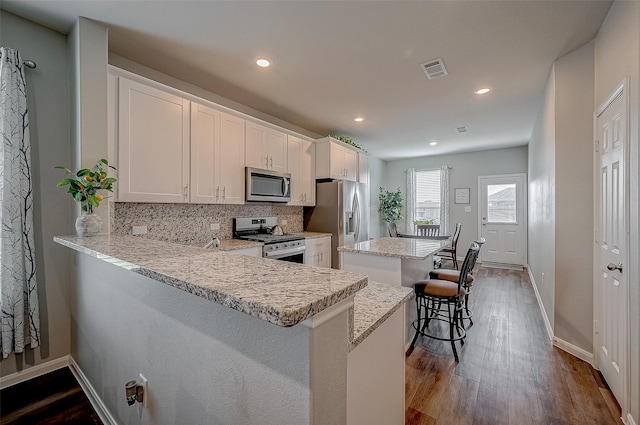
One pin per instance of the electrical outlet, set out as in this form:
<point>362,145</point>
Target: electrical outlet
<point>145,388</point>
<point>139,230</point>
<point>284,222</point>
<point>215,226</point>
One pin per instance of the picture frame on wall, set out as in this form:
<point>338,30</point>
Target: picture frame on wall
<point>462,195</point>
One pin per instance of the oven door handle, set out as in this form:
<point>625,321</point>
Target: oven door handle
<point>284,253</point>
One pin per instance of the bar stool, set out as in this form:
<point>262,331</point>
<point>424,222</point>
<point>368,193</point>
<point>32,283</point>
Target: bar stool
<point>454,276</point>
<point>443,300</point>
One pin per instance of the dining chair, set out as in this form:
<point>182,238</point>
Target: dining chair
<point>428,230</point>
<point>393,230</point>
<point>451,253</point>
<point>443,300</point>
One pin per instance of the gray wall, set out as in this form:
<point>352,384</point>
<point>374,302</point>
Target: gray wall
<point>617,54</point>
<point>561,199</point>
<point>377,173</point>
<point>466,168</point>
<point>48,101</point>
<point>574,198</point>
<point>542,193</point>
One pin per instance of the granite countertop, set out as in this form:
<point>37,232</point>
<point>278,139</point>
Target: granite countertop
<point>279,292</point>
<point>232,245</point>
<point>373,305</point>
<point>313,235</point>
<point>398,247</point>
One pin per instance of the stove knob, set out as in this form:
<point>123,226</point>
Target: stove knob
<point>285,245</point>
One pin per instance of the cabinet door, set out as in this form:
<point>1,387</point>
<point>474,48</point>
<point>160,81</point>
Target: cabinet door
<point>337,161</point>
<point>153,144</point>
<point>363,168</point>
<point>255,151</point>
<point>276,144</point>
<point>205,138</point>
<point>294,167</point>
<point>230,174</point>
<point>350,164</point>
<point>308,173</point>
<point>323,252</point>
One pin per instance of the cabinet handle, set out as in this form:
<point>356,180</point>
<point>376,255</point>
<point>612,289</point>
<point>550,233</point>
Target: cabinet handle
<point>224,193</point>
<point>271,159</point>
<point>266,163</point>
<point>186,191</point>
<point>218,192</point>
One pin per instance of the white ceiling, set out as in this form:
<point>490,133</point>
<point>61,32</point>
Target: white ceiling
<point>335,60</point>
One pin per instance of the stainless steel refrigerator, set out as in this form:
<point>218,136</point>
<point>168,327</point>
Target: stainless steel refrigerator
<point>342,209</point>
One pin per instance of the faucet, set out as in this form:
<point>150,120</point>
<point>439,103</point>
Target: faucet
<point>213,242</point>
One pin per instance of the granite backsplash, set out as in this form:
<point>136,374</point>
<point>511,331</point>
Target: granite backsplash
<point>191,223</point>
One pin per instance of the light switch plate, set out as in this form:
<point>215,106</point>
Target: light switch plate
<point>284,222</point>
<point>139,230</point>
<point>467,209</point>
<point>215,226</point>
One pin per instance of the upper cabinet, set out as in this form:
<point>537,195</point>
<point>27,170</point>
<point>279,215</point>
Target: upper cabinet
<point>363,168</point>
<point>335,160</point>
<point>301,166</point>
<point>153,144</point>
<point>265,148</point>
<point>217,156</point>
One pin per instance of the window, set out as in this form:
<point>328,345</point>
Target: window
<point>428,196</point>
<point>501,203</point>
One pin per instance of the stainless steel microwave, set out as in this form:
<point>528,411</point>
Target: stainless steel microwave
<point>267,186</point>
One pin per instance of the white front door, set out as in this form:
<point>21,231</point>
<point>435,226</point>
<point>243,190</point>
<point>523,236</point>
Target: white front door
<point>611,291</point>
<point>502,218</point>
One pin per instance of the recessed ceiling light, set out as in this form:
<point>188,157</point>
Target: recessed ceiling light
<point>482,90</point>
<point>433,143</point>
<point>358,119</point>
<point>263,63</point>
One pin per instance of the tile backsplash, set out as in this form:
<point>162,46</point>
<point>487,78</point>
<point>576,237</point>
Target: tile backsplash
<point>191,223</point>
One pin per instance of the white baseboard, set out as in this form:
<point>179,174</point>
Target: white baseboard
<point>91,394</point>
<point>547,323</point>
<point>33,372</point>
<point>629,420</point>
<point>573,350</point>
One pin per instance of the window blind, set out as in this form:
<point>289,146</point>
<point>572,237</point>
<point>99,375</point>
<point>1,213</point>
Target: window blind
<point>428,195</point>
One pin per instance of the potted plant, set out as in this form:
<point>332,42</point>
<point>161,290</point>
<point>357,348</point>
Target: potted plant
<point>419,222</point>
<point>390,205</point>
<point>84,186</point>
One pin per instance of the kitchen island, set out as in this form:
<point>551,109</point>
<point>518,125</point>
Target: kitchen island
<point>397,261</point>
<point>221,337</point>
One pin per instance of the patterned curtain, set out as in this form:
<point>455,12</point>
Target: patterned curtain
<point>20,320</point>
<point>444,200</point>
<point>411,201</point>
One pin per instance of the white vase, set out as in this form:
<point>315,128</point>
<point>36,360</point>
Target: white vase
<point>88,224</point>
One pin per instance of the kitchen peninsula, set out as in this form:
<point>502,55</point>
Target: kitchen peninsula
<point>398,261</point>
<point>222,337</point>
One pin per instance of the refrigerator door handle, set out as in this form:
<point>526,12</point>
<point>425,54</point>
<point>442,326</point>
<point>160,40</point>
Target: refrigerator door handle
<point>356,213</point>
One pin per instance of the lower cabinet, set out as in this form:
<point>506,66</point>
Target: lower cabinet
<point>318,252</point>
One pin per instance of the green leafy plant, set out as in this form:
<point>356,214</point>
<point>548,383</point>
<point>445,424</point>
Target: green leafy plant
<point>390,205</point>
<point>349,141</point>
<point>419,222</point>
<point>85,187</point>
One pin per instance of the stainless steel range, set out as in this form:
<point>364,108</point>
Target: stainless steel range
<point>277,245</point>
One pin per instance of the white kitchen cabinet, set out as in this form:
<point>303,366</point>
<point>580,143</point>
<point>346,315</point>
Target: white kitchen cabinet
<point>301,165</point>
<point>265,148</point>
<point>153,144</point>
<point>335,160</point>
<point>217,156</point>
<point>318,252</point>
<point>363,168</point>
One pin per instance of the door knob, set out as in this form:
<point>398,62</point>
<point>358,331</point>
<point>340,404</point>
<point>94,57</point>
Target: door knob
<point>613,267</point>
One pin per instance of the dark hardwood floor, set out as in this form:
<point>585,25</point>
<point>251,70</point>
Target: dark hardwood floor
<point>52,399</point>
<point>509,372</point>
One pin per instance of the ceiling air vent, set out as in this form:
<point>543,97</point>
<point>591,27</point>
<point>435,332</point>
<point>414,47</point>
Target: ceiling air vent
<point>434,68</point>
<point>462,129</point>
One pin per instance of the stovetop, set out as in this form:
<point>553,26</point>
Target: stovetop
<point>258,229</point>
<point>269,239</point>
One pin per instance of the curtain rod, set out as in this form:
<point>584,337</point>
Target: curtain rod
<point>29,64</point>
